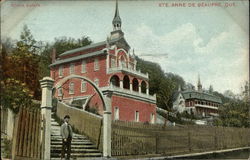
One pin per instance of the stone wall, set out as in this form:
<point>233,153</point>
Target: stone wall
<point>85,122</point>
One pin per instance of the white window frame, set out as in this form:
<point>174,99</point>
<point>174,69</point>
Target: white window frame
<point>137,116</point>
<point>71,88</point>
<point>152,118</point>
<point>60,71</point>
<point>97,82</point>
<point>83,69</point>
<point>83,89</point>
<point>96,64</point>
<point>71,68</point>
<point>59,93</point>
<point>117,113</point>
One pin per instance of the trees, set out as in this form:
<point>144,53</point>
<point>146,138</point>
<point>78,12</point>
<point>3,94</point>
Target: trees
<point>234,114</point>
<point>162,84</point>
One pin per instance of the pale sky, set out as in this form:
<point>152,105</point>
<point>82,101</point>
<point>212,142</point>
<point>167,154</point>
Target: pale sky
<point>212,41</point>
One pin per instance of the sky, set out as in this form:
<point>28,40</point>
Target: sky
<point>204,39</point>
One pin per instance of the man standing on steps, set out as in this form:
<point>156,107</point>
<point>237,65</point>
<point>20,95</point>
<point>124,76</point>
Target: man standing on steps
<point>67,134</point>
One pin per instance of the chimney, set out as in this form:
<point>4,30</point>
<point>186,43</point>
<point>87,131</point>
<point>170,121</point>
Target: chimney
<point>53,55</point>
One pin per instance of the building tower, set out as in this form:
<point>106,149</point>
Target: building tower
<point>117,22</point>
<point>199,86</point>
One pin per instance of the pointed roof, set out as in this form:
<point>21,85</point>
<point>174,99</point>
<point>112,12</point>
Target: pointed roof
<point>116,19</point>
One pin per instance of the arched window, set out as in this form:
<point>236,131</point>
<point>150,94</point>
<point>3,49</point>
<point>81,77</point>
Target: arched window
<point>71,88</point>
<point>115,81</point>
<point>143,87</point>
<point>126,82</point>
<point>135,85</point>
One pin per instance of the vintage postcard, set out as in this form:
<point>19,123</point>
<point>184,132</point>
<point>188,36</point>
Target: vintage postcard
<point>125,79</point>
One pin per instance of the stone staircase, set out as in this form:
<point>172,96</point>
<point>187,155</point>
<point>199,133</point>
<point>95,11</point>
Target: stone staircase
<point>81,146</point>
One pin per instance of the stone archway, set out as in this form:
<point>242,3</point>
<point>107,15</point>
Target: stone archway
<point>46,106</point>
<point>62,81</point>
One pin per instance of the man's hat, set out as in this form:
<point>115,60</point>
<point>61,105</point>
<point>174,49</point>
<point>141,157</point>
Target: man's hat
<point>67,116</point>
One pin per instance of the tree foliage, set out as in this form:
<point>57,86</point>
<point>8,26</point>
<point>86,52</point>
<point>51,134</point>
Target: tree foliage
<point>162,84</point>
<point>20,72</point>
<point>234,114</point>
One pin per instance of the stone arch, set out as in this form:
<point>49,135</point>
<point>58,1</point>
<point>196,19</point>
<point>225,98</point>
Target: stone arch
<point>115,81</point>
<point>126,82</point>
<point>126,53</point>
<point>135,84</point>
<point>65,79</point>
<point>143,87</point>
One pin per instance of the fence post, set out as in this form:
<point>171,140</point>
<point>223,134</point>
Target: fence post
<point>46,106</point>
<point>107,126</point>
<point>156,143</point>
<point>215,139</point>
<point>189,141</point>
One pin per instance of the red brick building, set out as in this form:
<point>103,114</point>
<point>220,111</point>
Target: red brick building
<point>198,102</point>
<point>112,67</point>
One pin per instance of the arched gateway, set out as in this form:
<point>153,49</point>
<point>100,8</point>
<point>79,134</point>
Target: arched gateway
<point>46,105</point>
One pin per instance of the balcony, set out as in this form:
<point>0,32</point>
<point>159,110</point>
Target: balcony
<point>130,93</point>
<point>206,106</point>
<point>129,71</point>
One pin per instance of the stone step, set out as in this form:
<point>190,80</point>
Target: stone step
<point>75,146</point>
<point>72,143</point>
<point>53,155</point>
<point>73,140</point>
<point>58,150</point>
<point>74,136</point>
<point>86,158</point>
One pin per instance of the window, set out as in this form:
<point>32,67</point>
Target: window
<point>72,68</point>
<point>97,82</point>
<point>60,71</point>
<point>59,92</point>
<point>71,88</point>
<point>84,86</point>
<point>83,66</point>
<point>113,65</point>
<point>152,118</point>
<point>137,116</point>
<point>123,64</point>
<point>96,64</point>
<point>116,113</point>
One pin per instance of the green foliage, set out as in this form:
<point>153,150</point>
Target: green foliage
<point>27,43</point>
<point>7,147</point>
<point>234,114</point>
<point>15,94</point>
<point>22,63</point>
<point>162,84</point>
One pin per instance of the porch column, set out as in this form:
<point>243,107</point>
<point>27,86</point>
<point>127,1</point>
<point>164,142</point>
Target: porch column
<point>147,91</point>
<point>121,83</point>
<point>139,88</point>
<point>131,87</point>
<point>107,120</point>
<point>46,106</point>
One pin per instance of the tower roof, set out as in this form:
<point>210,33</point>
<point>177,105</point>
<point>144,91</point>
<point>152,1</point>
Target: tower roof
<point>117,20</point>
